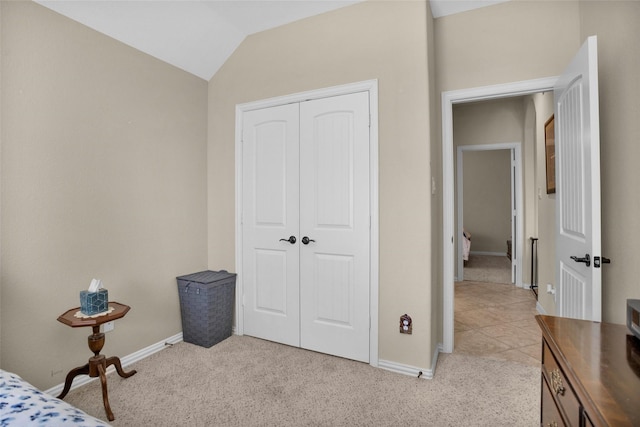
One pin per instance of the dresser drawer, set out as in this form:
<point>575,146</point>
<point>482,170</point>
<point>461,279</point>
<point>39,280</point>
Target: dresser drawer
<point>550,415</point>
<point>560,388</point>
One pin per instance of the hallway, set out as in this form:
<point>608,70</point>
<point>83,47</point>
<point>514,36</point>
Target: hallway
<point>497,321</point>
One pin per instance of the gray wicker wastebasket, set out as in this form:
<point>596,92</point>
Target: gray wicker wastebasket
<point>206,306</point>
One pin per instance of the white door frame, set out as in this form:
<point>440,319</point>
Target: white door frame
<point>449,98</point>
<point>515,186</point>
<point>370,86</point>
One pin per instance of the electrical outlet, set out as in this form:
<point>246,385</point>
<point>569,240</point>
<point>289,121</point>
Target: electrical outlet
<point>406,326</point>
<point>107,327</point>
<point>551,290</point>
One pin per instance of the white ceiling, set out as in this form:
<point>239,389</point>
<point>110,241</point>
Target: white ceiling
<point>199,36</point>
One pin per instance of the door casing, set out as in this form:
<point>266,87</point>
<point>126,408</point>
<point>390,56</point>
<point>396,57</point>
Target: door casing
<point>449,98</point>
<point>515,148</point>
<point>370,86</point>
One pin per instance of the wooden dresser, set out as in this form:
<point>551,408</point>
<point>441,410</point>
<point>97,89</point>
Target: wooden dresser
<point>590,374</point>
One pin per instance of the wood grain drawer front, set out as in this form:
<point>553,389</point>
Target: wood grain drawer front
<point>550,415</point>
<point>560,388</point>
<point>587,421</point>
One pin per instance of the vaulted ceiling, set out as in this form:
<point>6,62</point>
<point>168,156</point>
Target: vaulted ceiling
<point>199,36</point>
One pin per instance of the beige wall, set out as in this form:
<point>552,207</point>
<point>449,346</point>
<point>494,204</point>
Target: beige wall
<point>436,174</point>
<point>487,199</point>
<point>616,25</point>
<point>335,48</point>
<point>507,42</point>
<point>103,175</point>
<point>546,208</point>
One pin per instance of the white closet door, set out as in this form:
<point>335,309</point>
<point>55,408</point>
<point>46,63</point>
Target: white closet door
<point>335,216</point>
<point>270,206</point>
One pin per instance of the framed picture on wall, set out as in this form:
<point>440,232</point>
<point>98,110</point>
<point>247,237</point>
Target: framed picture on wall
<point>550,155</point>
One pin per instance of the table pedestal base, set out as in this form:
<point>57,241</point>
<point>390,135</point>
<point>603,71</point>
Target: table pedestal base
<point>97,367</point>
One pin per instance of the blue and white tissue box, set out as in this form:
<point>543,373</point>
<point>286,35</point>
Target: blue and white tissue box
<point>95,300</point>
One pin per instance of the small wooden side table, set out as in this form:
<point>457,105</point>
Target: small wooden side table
<point>98,363</point>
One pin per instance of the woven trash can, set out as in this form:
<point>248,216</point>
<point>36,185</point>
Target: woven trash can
<point>206,306</point>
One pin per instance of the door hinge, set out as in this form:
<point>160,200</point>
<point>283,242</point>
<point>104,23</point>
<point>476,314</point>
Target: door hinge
<point>600,260</point>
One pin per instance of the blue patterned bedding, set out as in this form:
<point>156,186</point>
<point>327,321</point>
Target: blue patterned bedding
<point>21,404</point>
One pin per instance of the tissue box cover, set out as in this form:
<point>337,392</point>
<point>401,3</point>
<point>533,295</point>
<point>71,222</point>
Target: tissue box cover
<point>94,302</point>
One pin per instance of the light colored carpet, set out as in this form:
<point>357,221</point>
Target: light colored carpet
<point>488,268</point>
<point>245,381</point>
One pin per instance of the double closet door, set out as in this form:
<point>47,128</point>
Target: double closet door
<point>306,224</point>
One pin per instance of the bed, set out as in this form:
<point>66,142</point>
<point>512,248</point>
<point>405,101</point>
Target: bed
<point>466,244</point>
<point>21,404</point>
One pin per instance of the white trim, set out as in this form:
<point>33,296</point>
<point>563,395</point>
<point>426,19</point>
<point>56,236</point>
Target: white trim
<point>488,253</point>
<point>125,361</point>
<point>399,368</point>
<point>540,308</point>
<point>412,371</point>
<point>448,206</point>
<point>518,244</point>
<point>370,86</point>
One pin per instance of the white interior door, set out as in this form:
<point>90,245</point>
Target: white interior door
<point>306,224</point>
<point>270,200</point>
<point>577,135</point>
<point>334,225</point>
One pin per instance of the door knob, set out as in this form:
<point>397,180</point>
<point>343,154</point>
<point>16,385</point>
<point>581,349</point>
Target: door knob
<point>586,259</point>
<point>291,239</point>
<point>306,240</point>
<point>597,260</point>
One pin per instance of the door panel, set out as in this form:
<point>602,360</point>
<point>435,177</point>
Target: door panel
<point>334,212</point>
<point>578,186</point>
<point>271,273</point>
<point>270,152</point>
<point>335,273</point>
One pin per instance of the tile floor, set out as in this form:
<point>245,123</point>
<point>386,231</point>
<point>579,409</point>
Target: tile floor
<point>497,321</point>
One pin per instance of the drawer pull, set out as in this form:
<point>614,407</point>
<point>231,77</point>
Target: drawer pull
<point>556,382</point>
<point>552,424</point>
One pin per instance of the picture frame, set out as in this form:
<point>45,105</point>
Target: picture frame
<point>550,154</point>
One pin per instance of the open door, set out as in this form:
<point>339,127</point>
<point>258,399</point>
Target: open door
<point>577,135</point>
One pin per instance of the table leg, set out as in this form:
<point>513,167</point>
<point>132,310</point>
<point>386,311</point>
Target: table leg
<point>81,370</point>
<point>115,361</point>
<point>105,395</point>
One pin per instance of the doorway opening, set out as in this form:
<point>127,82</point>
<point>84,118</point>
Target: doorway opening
<point>493,213</point>
<point>448,100</point>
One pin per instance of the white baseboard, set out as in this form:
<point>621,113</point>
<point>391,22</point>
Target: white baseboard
<point>540,309</point>
<point>125,361</point>
<point>412,371</point>
<point>161,345</point>
<point>488,253</point>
